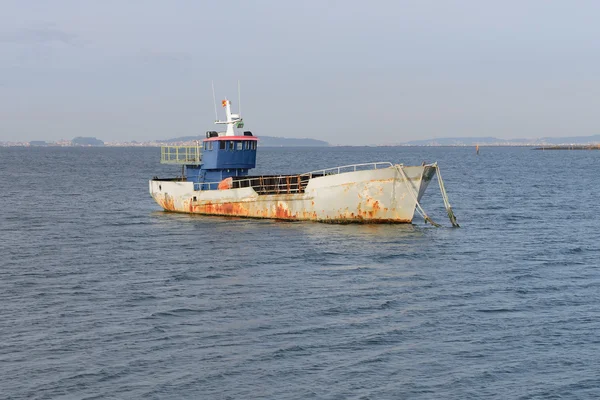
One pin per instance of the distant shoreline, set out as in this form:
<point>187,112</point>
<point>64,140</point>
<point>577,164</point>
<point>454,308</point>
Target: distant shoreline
<point>538,146</point>
<point>274,141</point>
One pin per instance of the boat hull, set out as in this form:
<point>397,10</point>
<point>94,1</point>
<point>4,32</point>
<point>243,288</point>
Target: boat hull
<point>372,196</point>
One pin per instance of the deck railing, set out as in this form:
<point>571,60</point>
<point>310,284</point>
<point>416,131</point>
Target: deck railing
<point>289,184</point>
<point>191,155</point>
<point>349,168</point>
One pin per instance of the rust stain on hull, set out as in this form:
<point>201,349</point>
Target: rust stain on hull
<point>234,209</point>
<point>167,202</point>
<point>281,211</point>
<point>247,209</point>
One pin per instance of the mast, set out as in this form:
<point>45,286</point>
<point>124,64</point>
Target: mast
<point>231,119</point>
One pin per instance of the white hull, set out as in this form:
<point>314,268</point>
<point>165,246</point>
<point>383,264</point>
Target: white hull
<point>371,196</point>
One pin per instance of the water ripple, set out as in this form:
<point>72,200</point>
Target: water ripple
<point>104,296</point>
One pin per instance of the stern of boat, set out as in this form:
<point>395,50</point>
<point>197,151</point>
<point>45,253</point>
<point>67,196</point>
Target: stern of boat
<point>171,194</point>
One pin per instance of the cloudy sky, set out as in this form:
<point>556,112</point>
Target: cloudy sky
<point>349,72</point>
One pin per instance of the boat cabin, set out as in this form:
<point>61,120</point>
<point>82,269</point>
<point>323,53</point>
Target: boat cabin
<point>220,155</point>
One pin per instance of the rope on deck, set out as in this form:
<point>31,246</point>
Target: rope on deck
<point>411,190</point>
<point>451,215</point>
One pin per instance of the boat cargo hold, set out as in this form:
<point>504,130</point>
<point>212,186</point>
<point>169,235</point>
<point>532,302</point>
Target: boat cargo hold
<point>216,180</point>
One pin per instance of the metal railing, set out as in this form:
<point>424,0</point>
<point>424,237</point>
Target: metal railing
<point>181,155</point>
<point>349,168</point>
<point>283,184</point>
<point>289,184</point>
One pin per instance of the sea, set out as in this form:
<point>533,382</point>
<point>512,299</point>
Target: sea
<point>105,296</point>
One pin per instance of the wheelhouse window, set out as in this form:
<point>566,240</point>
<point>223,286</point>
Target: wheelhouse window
<point>238,145</point>
<point>231,145</point>
<point>222,145</point>
<point>253,145</point>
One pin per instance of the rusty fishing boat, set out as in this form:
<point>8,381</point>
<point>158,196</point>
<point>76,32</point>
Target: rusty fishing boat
<point>215,180</point>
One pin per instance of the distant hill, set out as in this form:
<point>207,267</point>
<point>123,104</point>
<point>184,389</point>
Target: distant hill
<point>263,141</point>
<point>492,141</point>
<point>464,141</point>
<point>86,141</point>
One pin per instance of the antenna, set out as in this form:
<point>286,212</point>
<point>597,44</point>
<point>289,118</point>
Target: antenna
<point>239,100</point>
<point>214,100</point>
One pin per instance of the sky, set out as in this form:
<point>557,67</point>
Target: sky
<point>350,72</point>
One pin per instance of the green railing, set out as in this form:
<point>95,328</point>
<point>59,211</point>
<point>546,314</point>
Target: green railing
<point>181,155</point>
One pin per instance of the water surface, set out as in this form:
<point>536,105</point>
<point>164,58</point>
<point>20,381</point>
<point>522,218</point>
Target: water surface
<point>103,295</point>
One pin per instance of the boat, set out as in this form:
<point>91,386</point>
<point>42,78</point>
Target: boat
<point>216,180</point>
